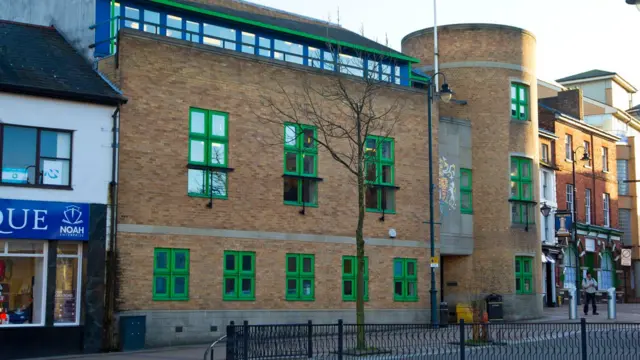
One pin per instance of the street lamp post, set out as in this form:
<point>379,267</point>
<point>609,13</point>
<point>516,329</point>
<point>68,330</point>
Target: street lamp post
<point>574,220</point>
<point>634,2</point>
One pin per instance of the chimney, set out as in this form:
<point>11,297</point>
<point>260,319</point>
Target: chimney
<point>570,102</point>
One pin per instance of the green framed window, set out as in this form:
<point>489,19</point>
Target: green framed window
<point>239,276</point>
<point>208,153</point>
<point>521,197</point>
<point>466,192</point>
<point>300,273</point>
<point>405,279</point>
<point>300,165</point>
<point>380,174</point>
<point>350,276</point>
<point>524,275</point>
<point>519,101</point>
<point>170,274</point>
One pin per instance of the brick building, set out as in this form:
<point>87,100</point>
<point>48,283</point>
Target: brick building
<point>489,239</point>
<point>596,190</point>
<point>257,239</point>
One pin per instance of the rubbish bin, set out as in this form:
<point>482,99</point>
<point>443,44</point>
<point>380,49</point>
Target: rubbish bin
<point>444,314</point>
<point>611,305</point>
<point>132,332</point>
<point>494,307</point>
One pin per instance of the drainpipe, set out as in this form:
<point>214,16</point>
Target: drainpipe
<point>109,321</point>
<point>593,181</point>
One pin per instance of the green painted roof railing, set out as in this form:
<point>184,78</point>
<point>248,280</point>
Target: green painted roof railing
<point>284,30</point>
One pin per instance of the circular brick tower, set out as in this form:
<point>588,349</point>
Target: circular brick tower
<point>486,244</point>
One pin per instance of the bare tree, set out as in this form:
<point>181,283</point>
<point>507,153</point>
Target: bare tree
<point>345,112</point>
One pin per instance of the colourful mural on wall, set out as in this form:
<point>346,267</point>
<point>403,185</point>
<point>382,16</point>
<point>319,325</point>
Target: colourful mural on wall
<point>447,186</point>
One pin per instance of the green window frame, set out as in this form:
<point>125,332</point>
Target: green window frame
<point>300,165</point>
<point>524,275</point>
<point>208,153</point>
<point>405,279</point>
<point>350,276</point>
<point>300,277</point>
<point>521,196</point>
<point>171,274</point>
<point>239,276</point>
<point>466,191</point>
<point>519,101</point>
<point>380,174</point>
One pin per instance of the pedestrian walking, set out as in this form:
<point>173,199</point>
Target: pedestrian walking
<point>590,285</point>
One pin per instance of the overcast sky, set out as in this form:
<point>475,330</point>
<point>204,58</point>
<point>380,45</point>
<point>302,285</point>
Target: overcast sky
<point>572,35</point>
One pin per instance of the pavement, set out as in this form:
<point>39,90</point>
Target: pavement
<point>626,313</point>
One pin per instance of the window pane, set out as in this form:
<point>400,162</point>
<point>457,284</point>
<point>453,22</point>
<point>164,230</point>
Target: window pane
<point>292,287</point>
<point>308,138</point>
<point>180,260</point>
<point>230,262</point>
<point>193,29</point>
<point>308,164</point>
<point>180,285</point>
<point>348,266</point>
<point>372,198</point>
<point>387,174</point>
<point>412,289</point>
<point>518,286</point>
<point>217,154</point>
<point>348,287</point>
<point>306,265</point>
<point>26,247</point>
<point>527,267</point>
<point>465,200</point>
<point>197,151</point>
<point>286,49</point>
<point>309,191</point>
<point>197,122</point>
<point>398,288</point>
<point>245,286</point>
<point>397,268</point>
<point>386,150</point>
<point>523,96</point>
<point>314,57</point>
<point>292,264</point>
<point>230,286</point>
<point>526,191</point>
<point>247,263</point>
<point>176,23</point>
<point>371,147</point>
<point>351,65</point>
<point>196,182</point>
<point>291,162</point>
<point>162,260</point>
<point>306,287</point>
<point>23,291</point>
<point>517,265</point>
<point>514,190</point>
<point>290,189</point>
<point>265,47</point>
<point>131,13</point>
<point>218,183</point>
<point>151,17</point>
<point>411,268</point>
<point>527,285</point>
<point>525,168</point>
<point>523,114</point>
<point>371,172</point>
<point>218,125</point>
<point>248,42</point>
<point>397,74</point>
<point>513,92</point>
<point>290,135</point>
<point>464,180</point>
<point>54,172</point>
<point>19,155</point>
<point>55,144</point>
<point>514,167</point>
<point>161,285</point>
<point>63,249</point>
<point>329,62</point>
<point>388,199</point>
<point>66,290</point>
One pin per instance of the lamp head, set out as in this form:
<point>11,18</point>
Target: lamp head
<point>545,209</point>
<point>585,157</point>
<point>445,93</point>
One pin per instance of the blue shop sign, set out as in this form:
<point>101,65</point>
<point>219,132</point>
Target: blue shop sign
<point>43,220</point>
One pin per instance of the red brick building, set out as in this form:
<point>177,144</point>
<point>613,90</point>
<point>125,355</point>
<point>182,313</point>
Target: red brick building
<point>595,200</point>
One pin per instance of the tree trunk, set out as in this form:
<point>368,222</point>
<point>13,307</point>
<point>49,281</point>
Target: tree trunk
<point>360,273</point>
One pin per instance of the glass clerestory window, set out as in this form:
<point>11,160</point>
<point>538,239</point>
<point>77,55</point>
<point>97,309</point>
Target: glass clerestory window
<point>300,165</point>
<point>380,174</point>
<point>208,153</point>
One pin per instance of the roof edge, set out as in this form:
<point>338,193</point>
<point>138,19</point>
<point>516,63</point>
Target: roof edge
<point>63,95</point>
<point>580,123</point>
<point>399,56</point>
<point>468,26</point>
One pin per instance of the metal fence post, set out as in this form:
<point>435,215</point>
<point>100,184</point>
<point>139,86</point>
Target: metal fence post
<point>462,341</point>
<point>583,337</point>
<point>245,339</point>
<point>340,340</point>
<point>309,339</point>
<point>231,341</point>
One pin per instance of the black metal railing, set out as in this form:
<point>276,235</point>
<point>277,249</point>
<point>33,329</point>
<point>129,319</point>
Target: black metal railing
<point>460,341</point>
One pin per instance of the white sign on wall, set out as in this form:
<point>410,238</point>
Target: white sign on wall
<point>15,176</point>
<point>590,245</point>
<point>625,257</point>
<point>52,172</point>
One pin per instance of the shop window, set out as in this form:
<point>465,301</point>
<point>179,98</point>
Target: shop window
<point>23,273</point>
<point>350,278</point>
<point>34,156</point>
<point>68,279</point>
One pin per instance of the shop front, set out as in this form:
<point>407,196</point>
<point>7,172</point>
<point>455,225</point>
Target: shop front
<point>51,277</point>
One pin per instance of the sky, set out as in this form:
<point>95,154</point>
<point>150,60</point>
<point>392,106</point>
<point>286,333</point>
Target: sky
<point>572,35</point>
